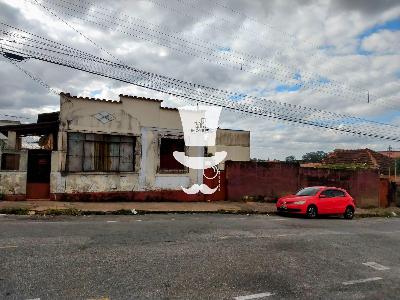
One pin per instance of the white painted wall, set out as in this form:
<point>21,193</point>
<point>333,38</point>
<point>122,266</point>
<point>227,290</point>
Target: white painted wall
<point>143,118</point>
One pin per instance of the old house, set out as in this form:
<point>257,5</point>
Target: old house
<point>97,150</point>
<point>361,158</point>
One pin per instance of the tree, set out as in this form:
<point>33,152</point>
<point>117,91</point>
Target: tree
<point>290,158</point>
<point>314,157</point>
<point>397,166</point>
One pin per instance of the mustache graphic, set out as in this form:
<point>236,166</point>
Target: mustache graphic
<point>195,188</point>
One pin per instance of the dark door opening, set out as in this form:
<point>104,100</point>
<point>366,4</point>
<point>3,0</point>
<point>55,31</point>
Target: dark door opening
<point>38,177</point>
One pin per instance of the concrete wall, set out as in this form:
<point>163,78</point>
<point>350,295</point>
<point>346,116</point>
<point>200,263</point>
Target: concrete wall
<point>13,183</point>
<point>363,185</point>
<point>235,142</point>
<point>149,122</point>
<point>271,180</point>
<point>143,118</point>
<point>260,179</point>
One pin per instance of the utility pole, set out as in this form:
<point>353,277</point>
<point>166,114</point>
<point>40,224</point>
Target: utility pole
<point>390,155</point>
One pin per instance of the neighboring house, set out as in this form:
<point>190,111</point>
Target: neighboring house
<point>3,138</point>
<point>391,154</point>
<point>96,149</point>
<point>362,158</point>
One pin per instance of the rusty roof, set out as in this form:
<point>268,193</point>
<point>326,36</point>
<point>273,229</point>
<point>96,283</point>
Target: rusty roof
<point>68,95</point>
<point>365,157</point>
<point>140,98</point>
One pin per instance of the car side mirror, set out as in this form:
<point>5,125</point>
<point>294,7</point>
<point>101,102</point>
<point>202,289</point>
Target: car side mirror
<point>322,196</point>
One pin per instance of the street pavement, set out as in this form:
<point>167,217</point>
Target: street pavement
<point>198,256</point>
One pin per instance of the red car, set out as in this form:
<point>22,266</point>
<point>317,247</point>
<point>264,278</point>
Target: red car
<point>318,200</point>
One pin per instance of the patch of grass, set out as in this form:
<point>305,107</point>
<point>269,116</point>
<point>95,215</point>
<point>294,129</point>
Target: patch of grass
<point>91,212</point>
<point>353,166</point>
<point>380,212</point>
<point>61,212</point>
<point>15,211</point>
<point>125,212</point>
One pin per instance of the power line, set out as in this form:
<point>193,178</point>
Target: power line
<point>257,36</point>
<point>233,61</point>
<point>197,93</point>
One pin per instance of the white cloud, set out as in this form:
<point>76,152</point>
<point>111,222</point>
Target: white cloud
<point>287,32</point>
<point>382,42</point>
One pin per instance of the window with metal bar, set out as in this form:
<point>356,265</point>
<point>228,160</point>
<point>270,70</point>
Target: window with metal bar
<point>10,161</point>
<point>167,148</point>
<point>88,152</point>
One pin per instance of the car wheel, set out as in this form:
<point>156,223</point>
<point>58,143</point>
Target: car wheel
<point>311,212</point>
<point>349,213</point>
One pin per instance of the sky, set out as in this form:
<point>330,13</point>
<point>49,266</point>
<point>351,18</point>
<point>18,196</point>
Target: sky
<point>324,54</point>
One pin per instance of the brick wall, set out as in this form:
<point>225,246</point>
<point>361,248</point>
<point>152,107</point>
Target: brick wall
<point>363,185</point>
<point>260,179</point>
<point>271,180</point>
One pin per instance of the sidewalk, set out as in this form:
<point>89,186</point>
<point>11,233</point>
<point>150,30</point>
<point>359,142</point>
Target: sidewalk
<point>56,207</point>
<point>143,207</point>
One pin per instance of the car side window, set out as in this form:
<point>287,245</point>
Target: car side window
<point>339,193</point>
<point>328,193</point>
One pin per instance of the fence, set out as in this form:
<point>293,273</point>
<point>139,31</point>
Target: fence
<point>270,180</point>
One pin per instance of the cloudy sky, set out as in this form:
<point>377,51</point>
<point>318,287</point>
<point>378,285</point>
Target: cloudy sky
<point>323,54</point>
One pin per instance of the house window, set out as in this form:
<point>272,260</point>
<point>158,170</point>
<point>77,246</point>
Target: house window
<point>10,161</point>
<point>89,152</point>
<point>167,148</point>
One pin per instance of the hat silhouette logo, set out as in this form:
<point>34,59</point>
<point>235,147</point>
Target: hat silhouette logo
<point>200,124</point>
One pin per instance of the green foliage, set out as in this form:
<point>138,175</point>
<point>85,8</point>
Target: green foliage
<point>14,211</point>
<point>290,158</point>
<point>398,166</point>
<point>64,212</point>
<point>353,166</point>
<point>314,157</point>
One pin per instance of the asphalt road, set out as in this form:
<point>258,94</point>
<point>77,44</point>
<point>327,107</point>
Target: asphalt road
<point>198,257</point>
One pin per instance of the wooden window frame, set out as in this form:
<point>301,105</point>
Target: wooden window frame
<point>101,144</point>
<point>16,161</point>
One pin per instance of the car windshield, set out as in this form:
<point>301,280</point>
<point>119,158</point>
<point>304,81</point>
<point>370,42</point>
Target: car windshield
<point>310,191</point>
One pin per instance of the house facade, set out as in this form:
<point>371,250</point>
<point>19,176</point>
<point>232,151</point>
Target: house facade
<point>99,150</point>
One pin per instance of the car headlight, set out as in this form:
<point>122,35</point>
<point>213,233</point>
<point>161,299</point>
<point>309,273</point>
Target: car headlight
<point>299,202</point>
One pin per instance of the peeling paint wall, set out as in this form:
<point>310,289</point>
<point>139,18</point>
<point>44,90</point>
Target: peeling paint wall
<point>87,183</point>
<point>14,182</point>
<point>235,142</point>
<point>271,180</point>
<point>148,121</point>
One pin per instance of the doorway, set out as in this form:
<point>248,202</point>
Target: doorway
<point>38,176</point>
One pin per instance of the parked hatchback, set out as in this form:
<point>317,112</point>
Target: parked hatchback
<point>318,200</point>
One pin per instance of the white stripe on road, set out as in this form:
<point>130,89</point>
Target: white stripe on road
<point>375,266</point>
<point>361,280</point>
<point>111,221</point>
<point>286,234</point>
<point>254,296</point>
<point>7,247</point>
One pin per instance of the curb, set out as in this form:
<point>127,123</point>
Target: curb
<point>77,212</point>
